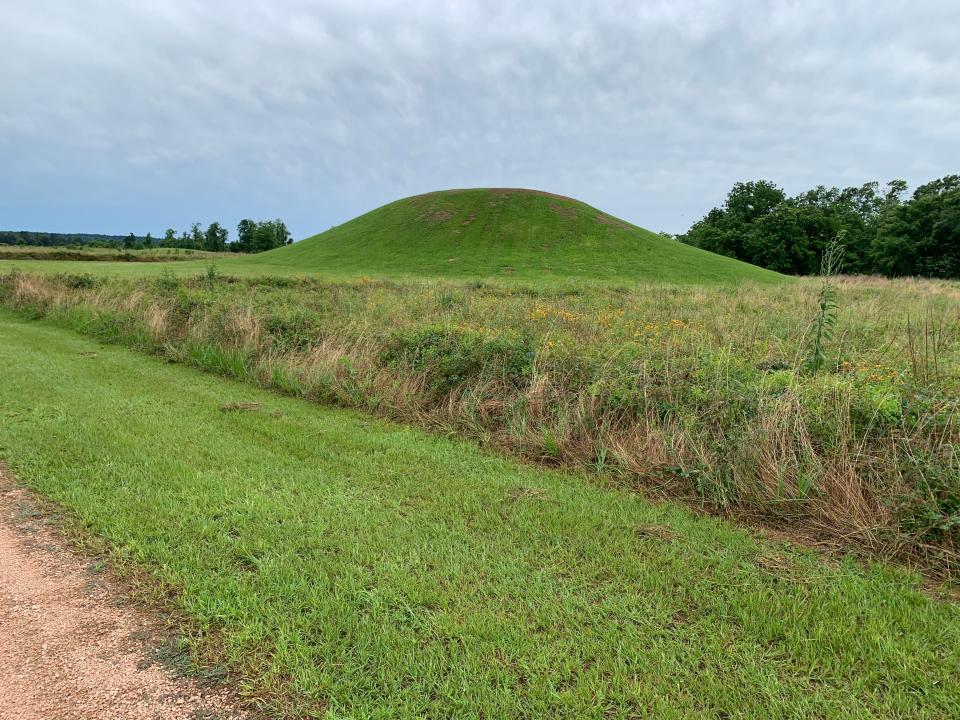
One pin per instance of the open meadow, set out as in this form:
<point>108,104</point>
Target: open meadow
<point>543,494</point>
<point>698,391</point>
<point>340,566</point>
<point>480,361</point>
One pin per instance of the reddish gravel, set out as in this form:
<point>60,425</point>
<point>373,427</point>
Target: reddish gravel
<point>70,647</point>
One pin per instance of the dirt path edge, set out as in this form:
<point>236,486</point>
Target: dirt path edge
<point>73,645</point>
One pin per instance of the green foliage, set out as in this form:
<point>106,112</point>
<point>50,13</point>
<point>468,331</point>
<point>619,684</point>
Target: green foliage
<point>761,225</point>
<point>48,239</point>
<point>212,274</point>
<point>253,238</point>
<point>452,357</point>
<point>82,282</point>
<point>931,511</point>
<point>215,238</point>
<point>827,305</point>
<point>167,282</point>
<point>292,328</point>
<point>922,236</point>
<point>257,237</point>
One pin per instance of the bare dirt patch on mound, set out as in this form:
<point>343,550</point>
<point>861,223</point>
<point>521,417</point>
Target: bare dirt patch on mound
<point>71,647</point>
<point>605,219</point>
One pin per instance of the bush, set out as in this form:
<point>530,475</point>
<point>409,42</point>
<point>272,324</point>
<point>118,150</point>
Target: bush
<point>81,282</point>
<point>451,357</point>
<point>932,511</point>
<point>291,328</point>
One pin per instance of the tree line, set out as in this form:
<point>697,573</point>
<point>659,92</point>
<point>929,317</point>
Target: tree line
<point>886,231</point>
<point>50,239</point>
<point>252,237</point>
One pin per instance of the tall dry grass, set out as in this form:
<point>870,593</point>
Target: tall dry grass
<point>696,392</point>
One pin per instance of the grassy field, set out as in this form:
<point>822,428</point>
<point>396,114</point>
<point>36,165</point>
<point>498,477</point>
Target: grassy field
<point>701,392</point>
<point>513,236</point>
<point>344,567</point>
<point>347,567</point>
<point>20,253</point>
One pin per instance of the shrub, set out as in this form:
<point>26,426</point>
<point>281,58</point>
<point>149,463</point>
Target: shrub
<point>451,357</point>
<point>81,282</point>
<point>167,282</point>
<point>291,328</point>
<point>931,511</point>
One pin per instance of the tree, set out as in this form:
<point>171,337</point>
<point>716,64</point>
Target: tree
<point>750,201</point>
<point>257,237</point>
<point>826,213</point>
<point>215,239</point>
<point>777,240</point>
<point>275,234</point>
<point>169,238</point>
<point>921,236</point>
<point>245,234</point>
<point>896,189</point>
<point>725,230</point>
<point>197,237</point>
<point>130,242</point>
<point>883,233</point>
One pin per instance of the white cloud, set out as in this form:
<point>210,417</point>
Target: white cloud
<point>150,114</point>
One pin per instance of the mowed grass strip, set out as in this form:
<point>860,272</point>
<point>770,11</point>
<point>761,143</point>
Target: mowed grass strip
<point>348,567</point>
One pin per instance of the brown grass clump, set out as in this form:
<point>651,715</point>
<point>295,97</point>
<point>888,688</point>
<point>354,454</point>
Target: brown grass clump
<point>240,406</point>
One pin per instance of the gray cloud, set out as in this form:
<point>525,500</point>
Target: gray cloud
<point>118,116</point>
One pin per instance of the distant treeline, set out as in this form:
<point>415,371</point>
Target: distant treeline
<point>885,231</point>
<point>252,237</point>
<point>48,239</point>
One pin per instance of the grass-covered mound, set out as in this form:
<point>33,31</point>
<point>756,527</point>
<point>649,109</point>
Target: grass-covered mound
<point>503,232</point>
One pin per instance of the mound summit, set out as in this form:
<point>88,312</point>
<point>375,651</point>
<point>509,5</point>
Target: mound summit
<point>504,232</point>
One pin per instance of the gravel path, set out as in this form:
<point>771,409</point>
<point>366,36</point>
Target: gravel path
<point>70,647</point>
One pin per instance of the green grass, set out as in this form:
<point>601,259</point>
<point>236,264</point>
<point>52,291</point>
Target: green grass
<point>347,567</point>
<point>515,236</point>
<point>701,389</point>
<point>512,233</point>
<point>102,254</point>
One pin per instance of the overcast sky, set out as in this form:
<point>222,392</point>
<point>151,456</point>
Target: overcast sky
<point>134,116</point>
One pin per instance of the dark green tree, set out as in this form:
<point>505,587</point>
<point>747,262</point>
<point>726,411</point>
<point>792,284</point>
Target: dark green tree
<point>725,230</point>
<point>246,230</point>
<point>215,238</point>
<point>883,232</point>
<point>255,237</point>
<point>921,236</point>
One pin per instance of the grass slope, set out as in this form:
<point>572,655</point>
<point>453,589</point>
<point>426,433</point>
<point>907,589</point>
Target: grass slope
<point>359,569</point>
<point>515,233</point>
